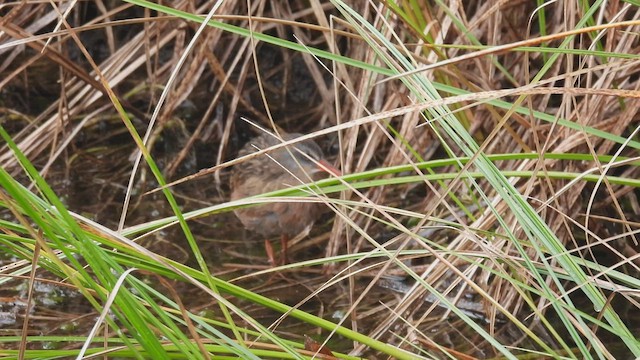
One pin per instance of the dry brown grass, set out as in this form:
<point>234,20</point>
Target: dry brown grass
<point>59,86</point>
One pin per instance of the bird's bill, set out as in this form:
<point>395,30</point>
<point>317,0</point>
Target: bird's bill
<point>325,166</point>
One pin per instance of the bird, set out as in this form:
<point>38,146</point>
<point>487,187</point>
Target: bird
<point>282,168</point>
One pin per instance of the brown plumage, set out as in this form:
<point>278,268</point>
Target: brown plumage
<point>263,174</point>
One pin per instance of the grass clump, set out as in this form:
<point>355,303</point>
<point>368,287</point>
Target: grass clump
<point>487,207</point>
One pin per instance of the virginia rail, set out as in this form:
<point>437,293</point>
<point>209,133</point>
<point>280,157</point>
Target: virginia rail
<point>283,167</point>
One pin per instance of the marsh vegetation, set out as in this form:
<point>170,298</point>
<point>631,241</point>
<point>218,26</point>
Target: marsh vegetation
<point>487,206</point>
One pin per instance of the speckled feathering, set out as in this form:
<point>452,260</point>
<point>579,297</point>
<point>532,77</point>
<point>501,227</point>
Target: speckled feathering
<point>263,174</point>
